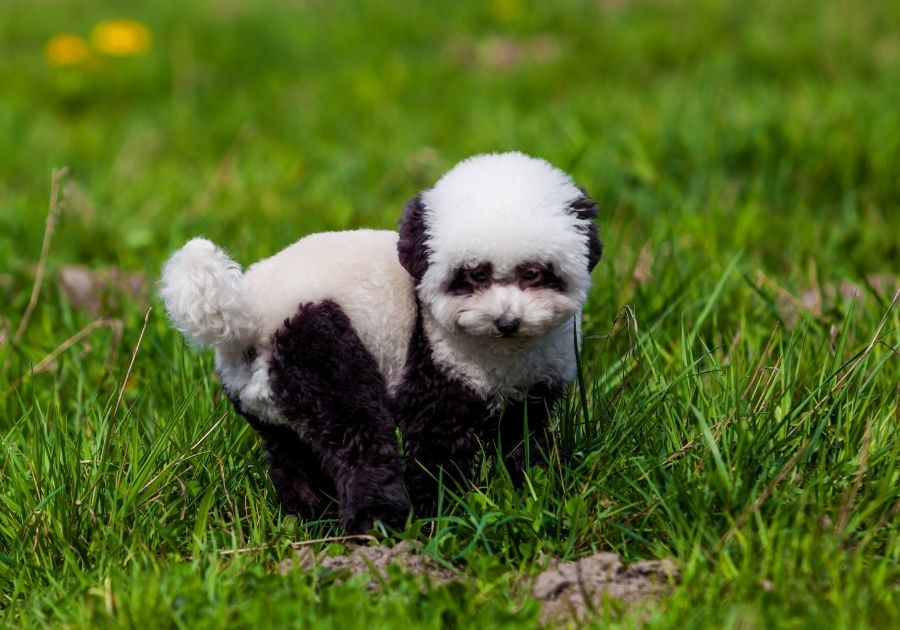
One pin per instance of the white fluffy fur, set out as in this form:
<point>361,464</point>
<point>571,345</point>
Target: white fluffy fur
<point>201,290</point>
<point>504,368</point>
<point>359,271</point>
<point>504,208</point>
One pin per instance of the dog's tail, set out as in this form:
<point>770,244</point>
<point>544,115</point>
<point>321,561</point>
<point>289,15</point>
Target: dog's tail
<point>201,286</point>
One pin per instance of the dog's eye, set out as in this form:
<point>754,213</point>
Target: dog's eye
<point>478,275</point>
<point>468,279</point>
<point>537,275</point>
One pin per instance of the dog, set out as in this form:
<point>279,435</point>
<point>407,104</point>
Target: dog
<point>462,330</point>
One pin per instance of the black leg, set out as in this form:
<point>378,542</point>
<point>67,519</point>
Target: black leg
<point>328,385</point>
<point>302,486</point>
<point>443,422</point>
<point>441,447</point>
<point>528,417</point>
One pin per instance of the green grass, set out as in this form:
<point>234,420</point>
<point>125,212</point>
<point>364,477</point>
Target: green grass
<point>745,159</point>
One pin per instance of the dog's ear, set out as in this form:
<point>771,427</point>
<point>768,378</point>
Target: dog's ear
<point>585,209</point>
<point>411,246</point>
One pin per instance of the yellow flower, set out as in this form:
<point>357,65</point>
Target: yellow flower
<point>507,10</point>
<point>65,49</point>
<point>120,38</point>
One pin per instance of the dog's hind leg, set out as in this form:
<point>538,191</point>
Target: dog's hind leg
<point>302,486</point>
<point>328,386</point>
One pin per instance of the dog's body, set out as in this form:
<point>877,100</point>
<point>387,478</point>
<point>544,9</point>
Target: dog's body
<point>358,270</point>
<point>328,345</point>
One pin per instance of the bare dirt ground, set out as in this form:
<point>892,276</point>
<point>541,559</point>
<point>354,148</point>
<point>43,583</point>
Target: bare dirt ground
<point>568,591</point>
<point>374,559</point>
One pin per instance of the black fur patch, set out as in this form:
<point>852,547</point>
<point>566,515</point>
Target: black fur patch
<point>328,386</point>
<point>412,246</point>
<point>586,209</point>
<point>302,485</point>
<point>444,422</point>
<point>531,413</point>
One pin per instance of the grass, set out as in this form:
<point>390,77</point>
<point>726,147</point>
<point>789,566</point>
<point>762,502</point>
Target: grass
<point>738,406</point>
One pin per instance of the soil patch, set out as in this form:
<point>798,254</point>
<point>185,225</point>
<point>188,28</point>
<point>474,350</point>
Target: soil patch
<point>571,590</point>
<point>568,591</point>
<point>373,559</point>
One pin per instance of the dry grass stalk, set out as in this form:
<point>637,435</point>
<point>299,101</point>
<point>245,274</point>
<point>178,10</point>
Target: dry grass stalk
<point>53,211</point>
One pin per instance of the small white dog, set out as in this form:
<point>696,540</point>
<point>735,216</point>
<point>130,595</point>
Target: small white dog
<point>471,314</point>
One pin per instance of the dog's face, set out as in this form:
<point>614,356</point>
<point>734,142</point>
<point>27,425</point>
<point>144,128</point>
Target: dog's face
<point>502,247</point>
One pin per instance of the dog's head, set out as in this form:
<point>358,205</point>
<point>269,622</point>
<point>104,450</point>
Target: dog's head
<point>502,246</point>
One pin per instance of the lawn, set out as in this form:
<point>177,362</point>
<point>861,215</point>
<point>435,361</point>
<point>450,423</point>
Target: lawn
<point>737,409</point>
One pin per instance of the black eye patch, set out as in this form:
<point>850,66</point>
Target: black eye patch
<point>470,278</point>
<point>535,275</point>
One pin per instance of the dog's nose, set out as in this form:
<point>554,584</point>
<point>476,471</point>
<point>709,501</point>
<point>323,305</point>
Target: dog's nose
<point>507,326</point>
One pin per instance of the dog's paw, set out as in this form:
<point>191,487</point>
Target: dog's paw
<point>425,507</point>
<point>304,503</point>
<point>387,504</point>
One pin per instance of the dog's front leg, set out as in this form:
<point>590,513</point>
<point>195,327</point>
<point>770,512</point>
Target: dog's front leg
<point>523,433</point>
<point>443,426</point>
<point>436,454</point>
<point>328,386</point>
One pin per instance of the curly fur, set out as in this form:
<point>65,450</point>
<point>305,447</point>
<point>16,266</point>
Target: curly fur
<point>202,294</point>
<point>462,330</point>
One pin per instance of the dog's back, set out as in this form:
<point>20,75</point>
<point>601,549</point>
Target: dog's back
<point>359,271</point>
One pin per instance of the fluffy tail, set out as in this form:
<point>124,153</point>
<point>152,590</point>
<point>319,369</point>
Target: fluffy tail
<point>201,288</point>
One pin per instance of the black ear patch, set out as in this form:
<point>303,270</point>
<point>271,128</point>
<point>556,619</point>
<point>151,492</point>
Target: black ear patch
<point>411,247</point>
<point>585,209</point>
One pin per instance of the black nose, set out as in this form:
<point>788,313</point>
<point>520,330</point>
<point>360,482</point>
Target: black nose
<point>508,326</point>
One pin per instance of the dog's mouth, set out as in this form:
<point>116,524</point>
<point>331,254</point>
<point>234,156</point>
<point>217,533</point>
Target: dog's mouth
<point>509,338</point>
<point>506,330</point>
